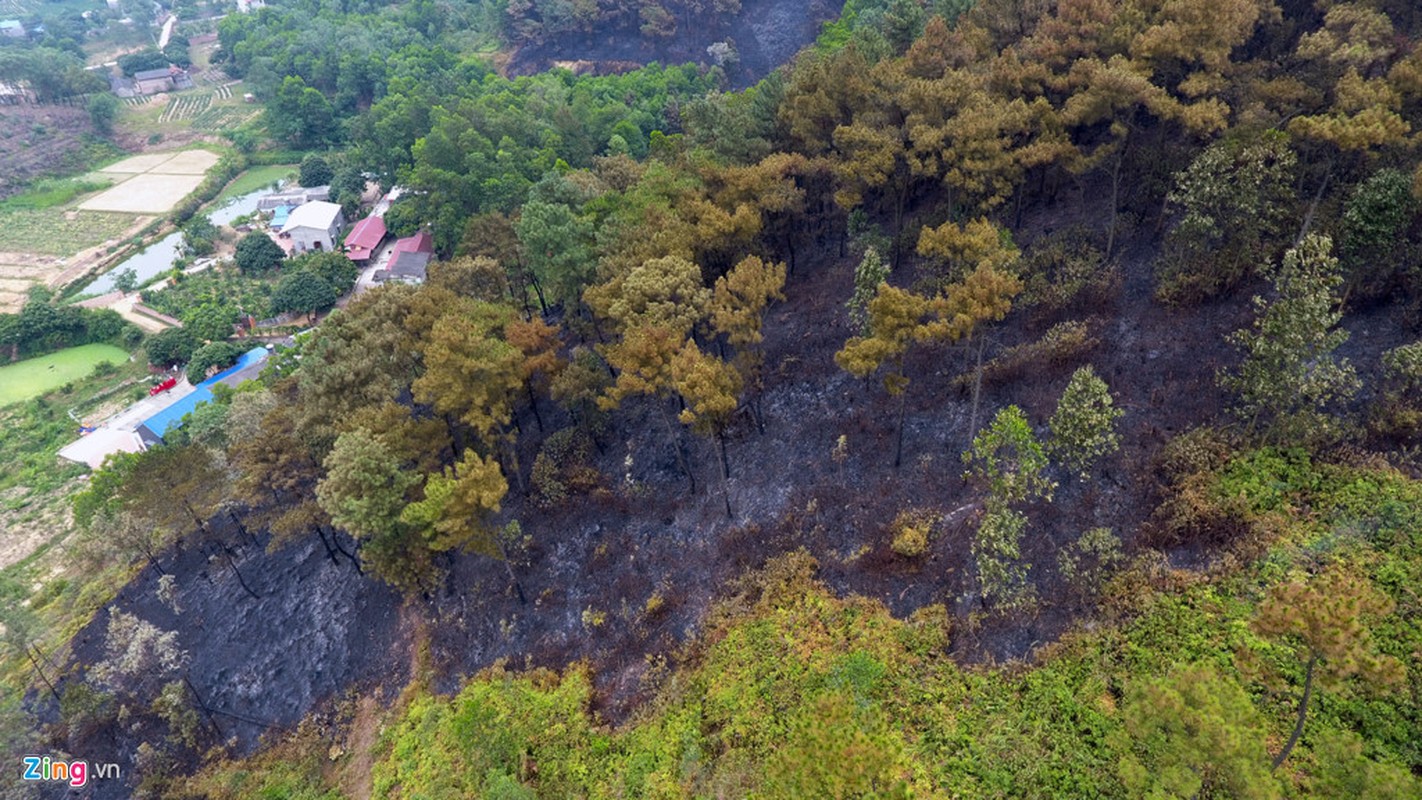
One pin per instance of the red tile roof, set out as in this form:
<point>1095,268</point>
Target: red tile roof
<point>421,242</point>
<point>364,238</point>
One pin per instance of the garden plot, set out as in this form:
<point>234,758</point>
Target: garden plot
<point>136,164</point>
<point>185,107</point>
<point>148,193</point>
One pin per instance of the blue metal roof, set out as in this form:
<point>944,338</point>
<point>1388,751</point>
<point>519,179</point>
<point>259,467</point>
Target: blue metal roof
<point>279,216</point>
<point>172,416</point>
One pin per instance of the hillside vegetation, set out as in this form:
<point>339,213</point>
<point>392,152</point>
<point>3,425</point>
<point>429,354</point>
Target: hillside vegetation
<point>1015,401</point>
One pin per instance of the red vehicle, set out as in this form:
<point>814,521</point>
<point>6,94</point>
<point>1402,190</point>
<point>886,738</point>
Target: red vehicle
<point>163,387</point>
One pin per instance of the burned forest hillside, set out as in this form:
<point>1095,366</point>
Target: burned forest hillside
<point>998,399</point>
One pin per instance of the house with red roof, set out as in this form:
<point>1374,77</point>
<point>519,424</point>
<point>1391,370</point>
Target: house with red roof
<point>421,242</point>
<point>364,239</point>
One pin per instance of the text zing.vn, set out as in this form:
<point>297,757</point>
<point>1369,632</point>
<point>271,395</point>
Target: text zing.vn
<point>76,773</point>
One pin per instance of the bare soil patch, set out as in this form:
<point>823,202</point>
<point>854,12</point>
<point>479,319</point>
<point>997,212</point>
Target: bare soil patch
<point>148,193</point>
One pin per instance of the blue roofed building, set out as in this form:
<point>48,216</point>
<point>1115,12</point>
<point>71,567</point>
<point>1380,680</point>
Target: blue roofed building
<point>249,366</point>
<point>280,215</point>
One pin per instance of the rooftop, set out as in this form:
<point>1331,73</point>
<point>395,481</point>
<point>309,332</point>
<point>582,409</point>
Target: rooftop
<point>317,214</point>
<point>248,366</point>
<point>150,74</point>
<point>421,242</point>
<point>365,237</point>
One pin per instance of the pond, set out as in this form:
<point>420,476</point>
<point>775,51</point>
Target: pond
<point>158,257</point>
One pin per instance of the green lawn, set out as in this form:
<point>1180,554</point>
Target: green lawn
<point>35,376</point>
<point>254,179</point>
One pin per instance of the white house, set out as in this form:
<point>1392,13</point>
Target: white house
<point>314,226</point>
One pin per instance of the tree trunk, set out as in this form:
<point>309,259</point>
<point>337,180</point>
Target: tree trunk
<point>676,443</point>
<point>508,566</point>
<point>977,391</point>
<point>725,475</point>
<point>202,705</point>
<point>241,580</point>
<point>899,448</point>
<point>1303,712</point>
<point>1116,196</point>
<point>533,403</point>
<point>40,670</point>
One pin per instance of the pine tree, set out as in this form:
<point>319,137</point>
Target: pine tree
<point>1084,425</point>
<point>1193,733</point>
<point>1327,617</point>
<point>871,272</point>
<point>1290,375</point>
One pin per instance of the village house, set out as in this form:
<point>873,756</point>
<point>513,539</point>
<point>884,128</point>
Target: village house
<point>153,81</point>
<point>364,239</point>
<point>410,260</point>
<point>12,28</point>
<point>314,226</point>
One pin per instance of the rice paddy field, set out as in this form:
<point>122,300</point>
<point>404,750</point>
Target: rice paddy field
<point>35,376</point>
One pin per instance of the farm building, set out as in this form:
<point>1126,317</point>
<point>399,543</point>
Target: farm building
<point>293,197</point>
<point>406,266</point>
<point>410,261</point>
<point>314,226</point>
<point>364,239</point>
<point>144,423</point>
<point>102,443</point>
<point>248,367</point>
<point>167,79</point>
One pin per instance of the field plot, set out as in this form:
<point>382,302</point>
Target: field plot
<point>35,376</point>
<point>185,107</point>
<point>149,193</point>
<point>223,118</point>
<point>158,182</point>
<point>136,164</point>
<point>188,162</point>
<point>58,232</point>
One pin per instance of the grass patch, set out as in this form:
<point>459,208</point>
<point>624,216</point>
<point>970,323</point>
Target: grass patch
<point>52,192</point>
<point>253,180</point>
<point>55,232</point>
<point>35,376</point>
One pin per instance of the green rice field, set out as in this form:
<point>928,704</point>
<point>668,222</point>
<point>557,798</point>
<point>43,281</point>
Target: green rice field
<point>35,376</point>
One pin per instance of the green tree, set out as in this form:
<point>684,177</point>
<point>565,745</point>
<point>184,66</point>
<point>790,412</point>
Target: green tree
<point>1328,618</point>
<point>103,110</point>
<point>870,272</point>
<point>1084,424</point>
<point>170,347</point>
<point>315,171</point>
<point>1290,375</point>
<point>997,556</point>
<point>1007,459</point>
<point>300,115</point>
<point>126,280</point>
<point>334,268</point>
<point>1373,244</point>
<point>256,253</point>
<point>1193,734</point>
<point>211,321</point>
<point>302,292</point>
<point>364,492</point>
<point>1236,197</point>
<point>219,354</point>
<point>558,244</point>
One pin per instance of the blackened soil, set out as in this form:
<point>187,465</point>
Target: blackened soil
<point>765,34</point>
<point>316,630</point>
<point>629,571</point>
